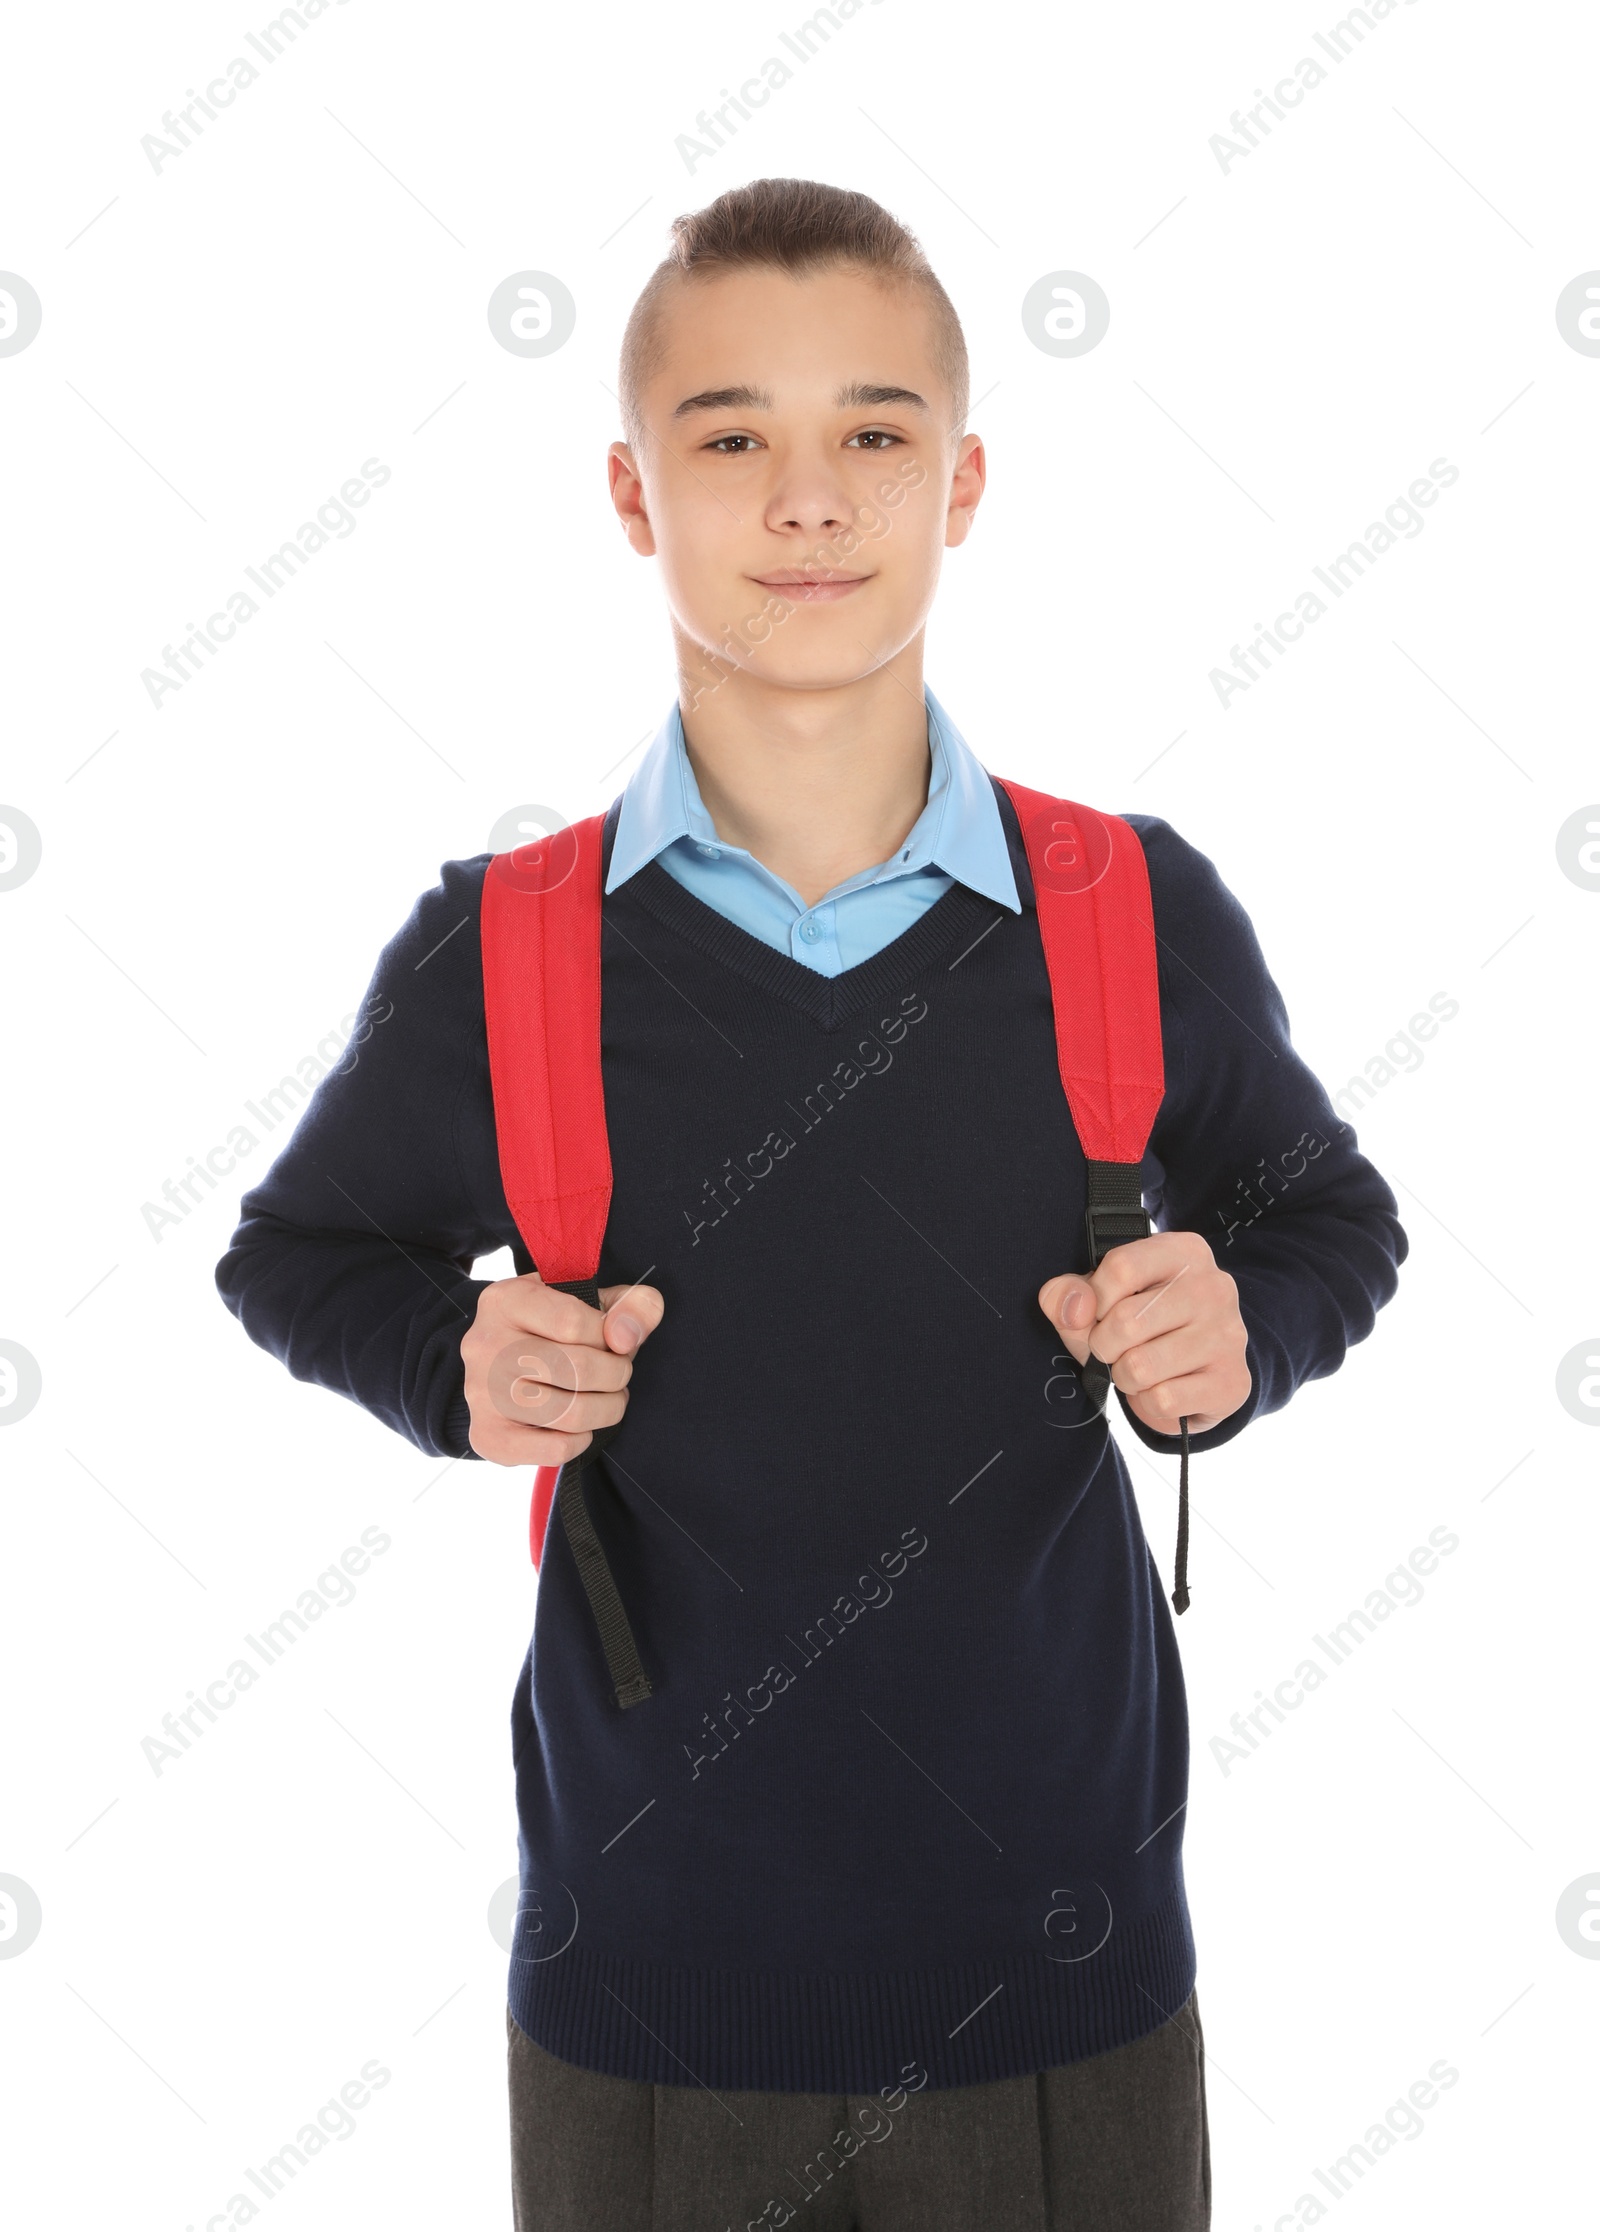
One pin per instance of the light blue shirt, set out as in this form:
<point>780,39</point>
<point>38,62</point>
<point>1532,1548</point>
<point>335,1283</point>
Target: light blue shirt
<point>957,838</point>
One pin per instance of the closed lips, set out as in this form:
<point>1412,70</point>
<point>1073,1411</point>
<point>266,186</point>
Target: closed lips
<point>809,588</point>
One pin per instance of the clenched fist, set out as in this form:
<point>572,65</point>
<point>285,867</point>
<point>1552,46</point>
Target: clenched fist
<point>1165,1318</point>
<point>544,1370</point>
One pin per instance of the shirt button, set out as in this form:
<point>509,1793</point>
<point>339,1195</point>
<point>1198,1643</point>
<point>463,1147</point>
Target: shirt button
<point>809,931</point>
<point>710,851</point>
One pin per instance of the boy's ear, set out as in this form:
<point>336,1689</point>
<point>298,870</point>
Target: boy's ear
<point>966,489</point>
<point>627,497</point>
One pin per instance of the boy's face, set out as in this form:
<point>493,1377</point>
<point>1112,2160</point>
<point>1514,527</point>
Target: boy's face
<point>799,480</point>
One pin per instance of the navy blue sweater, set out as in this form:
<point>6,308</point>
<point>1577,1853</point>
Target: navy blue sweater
<point>909,1788</point>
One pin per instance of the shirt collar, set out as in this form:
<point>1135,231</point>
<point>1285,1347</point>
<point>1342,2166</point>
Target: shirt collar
<point>959,829</point>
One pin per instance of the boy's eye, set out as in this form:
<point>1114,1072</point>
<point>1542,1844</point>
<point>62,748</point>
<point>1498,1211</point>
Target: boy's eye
<point>740,445</point>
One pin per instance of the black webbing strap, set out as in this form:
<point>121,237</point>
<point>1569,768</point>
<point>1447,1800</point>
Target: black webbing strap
<point>631,1682</point>
<point>1115,1213</point>
<point>1180,1563</point>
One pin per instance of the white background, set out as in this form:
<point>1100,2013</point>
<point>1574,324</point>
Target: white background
<point>223,342</point>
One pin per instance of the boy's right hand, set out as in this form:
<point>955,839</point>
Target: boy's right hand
<point>544,1370</point>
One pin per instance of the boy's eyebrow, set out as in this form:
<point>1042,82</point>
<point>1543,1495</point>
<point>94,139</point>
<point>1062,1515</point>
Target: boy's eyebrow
<point>855,395</point>
<point>725,399</point>
<point>866,393</point>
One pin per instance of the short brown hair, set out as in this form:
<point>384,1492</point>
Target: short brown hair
<point>795,225</point>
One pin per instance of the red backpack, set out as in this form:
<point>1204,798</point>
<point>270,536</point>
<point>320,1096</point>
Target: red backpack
<point>541,989</point>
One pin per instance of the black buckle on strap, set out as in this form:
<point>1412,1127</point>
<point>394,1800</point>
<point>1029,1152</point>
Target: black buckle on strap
<point>1109,1226</point>
<point>1116,1210</point>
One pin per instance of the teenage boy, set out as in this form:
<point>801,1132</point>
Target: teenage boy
<point>871,1911</point>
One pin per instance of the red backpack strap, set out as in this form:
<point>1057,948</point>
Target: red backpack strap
<point>1092,891</point>
<point>544,1491</point>
<point>541,1004</point>
<point>540,928</point>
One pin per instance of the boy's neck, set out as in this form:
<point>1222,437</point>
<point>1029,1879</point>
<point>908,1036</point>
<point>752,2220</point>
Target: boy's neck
<point>817,784</point>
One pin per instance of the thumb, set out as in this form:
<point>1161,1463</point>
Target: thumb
<point>632,1314</point>
<point>1069,1302</point>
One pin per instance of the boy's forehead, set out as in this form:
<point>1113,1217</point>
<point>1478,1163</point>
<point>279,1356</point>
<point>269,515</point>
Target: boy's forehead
<point>760,338</point>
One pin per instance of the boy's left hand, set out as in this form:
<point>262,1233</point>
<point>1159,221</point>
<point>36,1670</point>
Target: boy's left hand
<point>1165,1318</point>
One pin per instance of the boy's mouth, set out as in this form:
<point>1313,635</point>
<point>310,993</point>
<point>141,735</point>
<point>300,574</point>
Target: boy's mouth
<point>804,588</point>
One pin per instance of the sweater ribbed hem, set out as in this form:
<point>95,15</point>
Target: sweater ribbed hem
<point>457,1425</point>
<point>855,2031</point>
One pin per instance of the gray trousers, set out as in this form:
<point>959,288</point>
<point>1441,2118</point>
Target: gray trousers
<point>1116,2143</point>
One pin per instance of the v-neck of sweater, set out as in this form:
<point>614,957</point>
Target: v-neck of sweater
<point>957,915</point>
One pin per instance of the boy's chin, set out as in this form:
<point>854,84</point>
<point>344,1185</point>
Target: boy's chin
<point>840,672</point>
<point>819,666</point>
